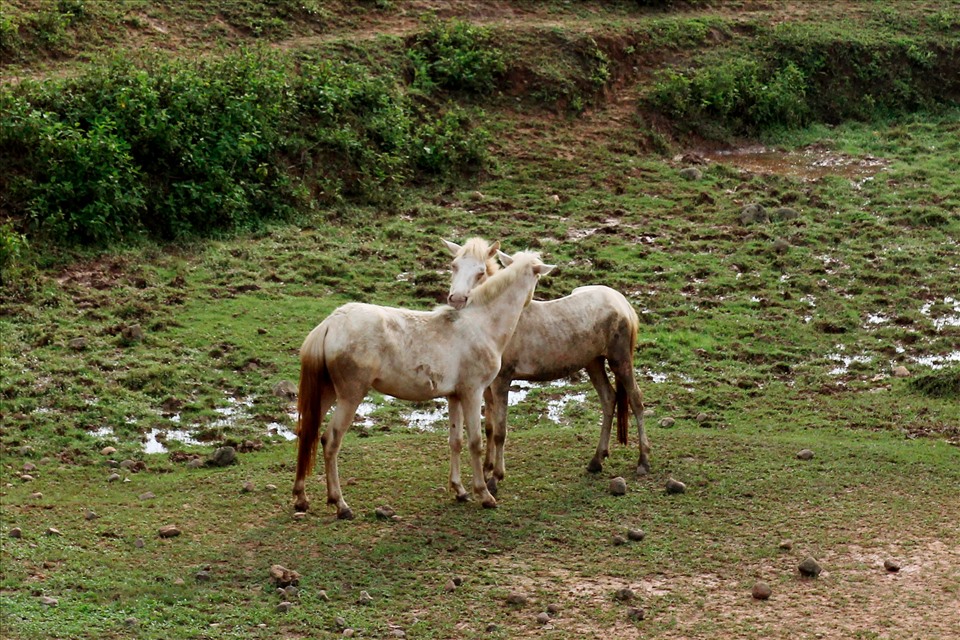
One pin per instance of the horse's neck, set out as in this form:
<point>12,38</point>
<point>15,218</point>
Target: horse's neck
<point>499,316</point>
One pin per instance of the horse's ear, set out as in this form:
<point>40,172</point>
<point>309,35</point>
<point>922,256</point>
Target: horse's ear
<point>505,258</point>
<point>494,249</point>
<point>543,269</point>
<point>452,247</point>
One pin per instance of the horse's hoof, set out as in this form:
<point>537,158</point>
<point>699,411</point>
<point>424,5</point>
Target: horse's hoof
<point>463,497</point>
<point>643,469</point>
<point>594,467</point>
<point>489,503</point>
<point>345,514</point>
<point>301,506</point>
<point>492,485</point>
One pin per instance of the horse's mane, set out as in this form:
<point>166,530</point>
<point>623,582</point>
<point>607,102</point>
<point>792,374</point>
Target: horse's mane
<point>480,249</point>
<point>502,279</point>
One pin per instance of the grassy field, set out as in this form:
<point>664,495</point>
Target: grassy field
<point>828,322</point>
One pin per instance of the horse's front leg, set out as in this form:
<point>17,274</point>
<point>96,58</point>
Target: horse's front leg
<point>598,376</point>
<point>456,444</point>
<point>470,405</point>
<point>495,400</point>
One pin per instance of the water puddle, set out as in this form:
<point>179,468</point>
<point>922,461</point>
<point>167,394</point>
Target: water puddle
<point>811,163</point>
<point>845,361</point>
<point>951,319</point>
<point>555,408</point>
<point>938,362</point>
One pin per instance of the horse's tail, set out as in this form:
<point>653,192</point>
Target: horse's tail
<point>314,382</point>
<point>623,412</point>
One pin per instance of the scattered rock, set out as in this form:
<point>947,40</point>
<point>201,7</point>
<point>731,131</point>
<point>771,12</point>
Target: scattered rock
<point>28,467</point>
<point>149,495</point>
<point>624,595</point>
<point>299,515</point>
<point>270,487</point>
<point>618,486</point>
<point>247,487</point>
<point>457,580</point>
<point>781,246</point>
<point>261,331</point>
<point>340,622</point>
<point>543,618</point>
<point>619,540</point>
<point>691,173</point>
<point>113,477</point>
<point>786,545</point>
<point>132,334</point>
<point>195,463</point>
<point>762,591</point>
<point>348,632</point>
<point>492,628</point>
<point>553,609</point>
<point>36,495</point>
<point>169,531</point>
<point>675,486</point>
<point>516,598</point>
<point>78,344</point>
<point>805,454</point>
<point>666,423</point>
<point>16,532</point>
<point>138,543</point>
<point>754,213</point>
<point>702,417</point>
<point>385,512</point>
<point>27,477</point>
<point>809,567</point>
<point>202,576</point>
<point>223,457</point>
<point>449,586</point>
<point>131,622</point>
<point>48,601</point>
<point>283,577</point>
<point>891,565</point>
<point>476,196</point>
<point>26,450</point>
<point>322,595</point>
<point>365,598</point>
<point>636,534</point>
<point>284,606</point>
<point>285,389</point>
<point>108,451</point>
<point>636,614</point>
<point>555,199</point>
<point>901,372</point>
<point>53,532</point>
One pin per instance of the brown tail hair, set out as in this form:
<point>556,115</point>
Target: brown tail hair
<point>623,413</point>
<point>314,381</point>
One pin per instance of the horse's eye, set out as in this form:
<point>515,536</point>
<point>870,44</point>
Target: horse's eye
<point>479,275</point>
<point>455,267</point>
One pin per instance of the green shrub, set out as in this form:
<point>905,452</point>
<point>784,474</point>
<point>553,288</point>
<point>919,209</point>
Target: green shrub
<point>456,56</point>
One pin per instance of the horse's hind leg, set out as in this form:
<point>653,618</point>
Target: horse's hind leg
<point>342,418</point>
<point>625,376</point>
<point>456,444</point>
<point>598,376</point>
<point>496,397</point>
<point>307,445</point>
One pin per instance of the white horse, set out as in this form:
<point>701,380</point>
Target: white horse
<point>592,326</point>
<point>412,355</point>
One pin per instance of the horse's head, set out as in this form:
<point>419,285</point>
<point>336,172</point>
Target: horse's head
<point>473,263</point>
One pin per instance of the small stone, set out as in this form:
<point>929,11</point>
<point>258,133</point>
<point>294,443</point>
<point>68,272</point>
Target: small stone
<point>293,592</point>
<point>247,487</point>
<point>449,586</point>
<point>365,598</point>
<point>322,595</point>
<point>195,463</point>
<point>805,454</point>
<point>618,486</point>
<point>666,423</point>
<point>901,372</point>
<point>624,595</point>
<point>457,580</point>
<point>26,477</point>
<point>398,633</point>
<point>48,601</point>
<point>891,565</point>
<point>202,576</point>
<point>36,495</point>
<point>785,213</point>
<point>762,591</point>
<point>53,532</point>
<point>348,633</point>
<point>385,512</point>
<point>270,487</point>
<point>169,531</point>
<point>554,609</point>
<point>132,334</point>
<point>139,544</point>
<point>476,196</point>
<point>781,246</point>
<point>128,464</point>
<point>543,618</point>
<point>340,622</point>
<point>809,567</point>
<point>26,450</point>
<point>285,389</point>
<point>555,199</point>
<point>754,213</point>
<point>131,622</point>
<point>283,577</point>
<point>28,467</point>
<point>299,515</point>
<point>786,545</point>
<point>516,598</point>
<point>78,344</point>
<point>90,515</point>
<point>691,173</point>
<point>149,495</point>
<point>284,606</point>
<point>675,486</point>
<point>16,532</point>
<point>618,540</point>
<point>223,457</point>
<point>636,614</point>
<point>636,534</point>
<point>491,628</point>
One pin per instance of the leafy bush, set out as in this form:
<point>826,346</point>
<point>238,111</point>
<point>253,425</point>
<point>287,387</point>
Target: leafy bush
<point>455,56</point>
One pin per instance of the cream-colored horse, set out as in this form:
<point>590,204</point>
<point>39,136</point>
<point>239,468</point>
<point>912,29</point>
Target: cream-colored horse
<point>412,355</point>
<point>592,326</point>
